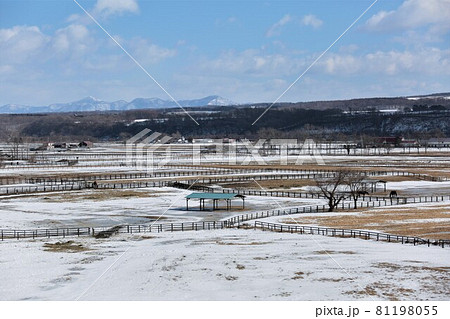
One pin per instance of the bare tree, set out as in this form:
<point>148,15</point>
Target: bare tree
<point>388,148</point>
<point>16,143</point>
<point>331,188</point>
<point>32,158</point>
<point>356,185</point>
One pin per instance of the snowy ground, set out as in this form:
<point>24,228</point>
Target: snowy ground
<point>223,265</point>
<point>88,208</point>
<point>226,264</point>
<point>420,188</point>
<point>403,188</point>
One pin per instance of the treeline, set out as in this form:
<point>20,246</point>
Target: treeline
<point>233,122</point>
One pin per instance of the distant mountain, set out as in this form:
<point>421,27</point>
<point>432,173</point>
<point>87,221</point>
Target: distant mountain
<point>150,103</point>
<point>90,104</point>
<point>87,104</point>
<point>212,100</point>
<point>20,109</point>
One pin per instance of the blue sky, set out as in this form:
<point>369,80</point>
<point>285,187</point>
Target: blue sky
<point>247,51</point>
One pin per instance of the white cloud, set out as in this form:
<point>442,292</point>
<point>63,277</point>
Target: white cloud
<point>21,43</point>
<point>6,69</point>
<point>308,20</point>
<point>73,39</point>
<point>312,20</point>
<point>70,50</point>
<point>151,53</point>
<point>256,64</point>
<point>341,64</point>
<point>425,61</point>
<point>111,7</point>
<point>224,22</point>
<point>250,62</point>
<point>275,29</point>
<point>413,14</point>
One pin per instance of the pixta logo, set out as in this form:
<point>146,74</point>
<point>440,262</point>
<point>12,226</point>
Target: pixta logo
<point>148,152</point>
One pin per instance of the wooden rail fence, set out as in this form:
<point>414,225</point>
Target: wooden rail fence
<point>45,233</point>
<point>130,229</point>
<point>337,232</point>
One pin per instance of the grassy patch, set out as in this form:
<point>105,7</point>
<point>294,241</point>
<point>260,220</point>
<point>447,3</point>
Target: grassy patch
<point>298,275</point>
<point>332,279</point>
<point>261,258</point>
<point>330,252</point>
<point>270,184</point>
<point>426,222</point>
<point>65,247</point>
<point>242,244</point>
<point>231,278</point>
<point>383,290</point>
<point>100,195</point>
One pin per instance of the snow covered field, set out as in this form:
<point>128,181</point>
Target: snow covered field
<point>222,265</point>
<point>228,264</point>
<point>88,208</point>
<point>420,188</point>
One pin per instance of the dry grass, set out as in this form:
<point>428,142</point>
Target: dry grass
<point>333,279</point>
<point>382,290</point>
<point>270,184</point>
<point>421,222</point>
<point>331,252</point>
<point>369,164</point>
<point>398,178</point>
<point>298,275</point>
<point>231,278</point>
<point>432,279</point>
<point>261,258</point>
<point>241,244</point>
<point>65,247</point>
<point>240,267</point>
<point>390,267</point>
<point>100,195</point>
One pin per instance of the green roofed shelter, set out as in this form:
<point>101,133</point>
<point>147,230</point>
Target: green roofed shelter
<point>215,197</point>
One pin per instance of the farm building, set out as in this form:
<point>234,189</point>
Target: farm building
<point>215,198</point>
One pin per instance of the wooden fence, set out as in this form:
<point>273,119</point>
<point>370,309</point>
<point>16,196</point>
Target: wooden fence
<point>12,190</point>
<point>336,232</point>
<point>232,221</point>
<point>130,229</point>
<point>386,200</point>
<point>211,225</point>
<point>190,170</point>
<point>45,233</point>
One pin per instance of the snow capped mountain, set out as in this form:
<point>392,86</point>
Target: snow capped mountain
<point>91,103</point>
<point>146,103</point>
<point>213,100</point>
<point>220,101</point>
<point>87,104</point>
